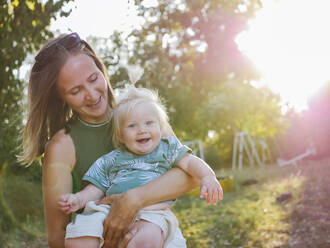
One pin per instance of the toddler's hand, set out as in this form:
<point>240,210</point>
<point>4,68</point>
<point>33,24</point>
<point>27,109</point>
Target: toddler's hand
<point>211,189</point>
<point>69,203</point>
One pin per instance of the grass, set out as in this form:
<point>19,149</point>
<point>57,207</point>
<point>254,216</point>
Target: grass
<point>248,216</point>
<point>21,207</point>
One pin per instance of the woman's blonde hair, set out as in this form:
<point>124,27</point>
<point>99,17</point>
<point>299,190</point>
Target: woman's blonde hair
<point>47,112</point>
<point>127,99</point>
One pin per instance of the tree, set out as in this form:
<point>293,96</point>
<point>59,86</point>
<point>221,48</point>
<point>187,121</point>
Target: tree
<point>23,27</point>
<point>235,107</point>
<point>189,53</point>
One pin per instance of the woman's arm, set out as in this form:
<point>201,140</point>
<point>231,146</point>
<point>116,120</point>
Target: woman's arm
<point>124,207</point>
<point>56,181</point>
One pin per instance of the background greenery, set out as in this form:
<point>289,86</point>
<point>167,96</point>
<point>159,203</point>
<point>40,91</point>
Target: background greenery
<point>202,75</point>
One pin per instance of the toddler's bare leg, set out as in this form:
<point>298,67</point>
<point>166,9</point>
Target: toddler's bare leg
<point>81,242</point>
<point>149,235</point>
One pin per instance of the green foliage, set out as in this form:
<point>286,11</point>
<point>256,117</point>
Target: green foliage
<point>189,54</point>
<point>21,217</point>
<point>212,157</point>
<point>170,48</point>
<point>24,187</point>
<point>236,106</point>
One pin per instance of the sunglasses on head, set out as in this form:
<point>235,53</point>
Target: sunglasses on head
<point>68,42</point>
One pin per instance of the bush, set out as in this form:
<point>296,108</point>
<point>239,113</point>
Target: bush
<point>212,157</point>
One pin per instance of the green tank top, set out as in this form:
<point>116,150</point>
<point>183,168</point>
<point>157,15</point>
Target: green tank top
<point>91,141</point>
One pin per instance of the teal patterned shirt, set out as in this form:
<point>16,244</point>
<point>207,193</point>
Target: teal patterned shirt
<point>121,170</point>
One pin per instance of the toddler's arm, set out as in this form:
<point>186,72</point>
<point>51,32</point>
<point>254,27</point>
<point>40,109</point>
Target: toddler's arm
<point>69,203</point>
<point>210,187</point>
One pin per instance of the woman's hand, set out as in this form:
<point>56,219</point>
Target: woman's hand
<point>124,208</point>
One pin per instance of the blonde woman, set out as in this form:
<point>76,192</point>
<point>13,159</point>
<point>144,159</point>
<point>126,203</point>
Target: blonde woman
<point>70,105</point>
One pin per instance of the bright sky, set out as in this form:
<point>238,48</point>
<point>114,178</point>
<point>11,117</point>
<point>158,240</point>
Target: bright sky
<point>99,17</point>
<point>289,40</point>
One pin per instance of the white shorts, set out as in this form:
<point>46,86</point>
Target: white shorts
<point>90,223</point>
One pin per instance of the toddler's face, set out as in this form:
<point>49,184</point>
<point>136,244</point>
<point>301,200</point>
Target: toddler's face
<point>140,130</point>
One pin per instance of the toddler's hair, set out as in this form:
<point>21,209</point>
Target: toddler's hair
<point>130,96</point>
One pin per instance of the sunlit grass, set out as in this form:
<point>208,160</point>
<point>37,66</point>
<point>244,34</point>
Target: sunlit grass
<point>247,217</point>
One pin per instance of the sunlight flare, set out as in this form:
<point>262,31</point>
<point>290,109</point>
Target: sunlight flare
<point>289,43</point>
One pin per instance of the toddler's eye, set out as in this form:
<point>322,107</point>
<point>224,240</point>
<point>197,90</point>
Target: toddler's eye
<point>131,125</point>
<point>149,122</point>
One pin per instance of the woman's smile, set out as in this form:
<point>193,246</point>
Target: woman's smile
<point>96,103</point>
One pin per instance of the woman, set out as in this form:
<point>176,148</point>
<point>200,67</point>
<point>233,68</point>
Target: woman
<point>70,102</point>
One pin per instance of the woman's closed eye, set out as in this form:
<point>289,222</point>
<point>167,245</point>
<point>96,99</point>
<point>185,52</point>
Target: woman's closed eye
<point>93,77</point>
<point>75,91</point>
<point>131,125</point>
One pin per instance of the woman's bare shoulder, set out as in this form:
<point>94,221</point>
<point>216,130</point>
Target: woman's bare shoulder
<point>60,148</point>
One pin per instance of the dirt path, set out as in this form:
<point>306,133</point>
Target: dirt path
<point>310,220</point>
